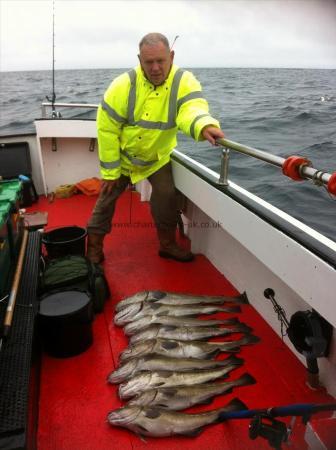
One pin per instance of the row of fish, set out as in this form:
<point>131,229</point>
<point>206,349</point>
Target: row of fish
<point>169,366</point>
<point>170,298</point>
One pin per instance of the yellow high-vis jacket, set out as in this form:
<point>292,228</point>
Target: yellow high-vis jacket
<point>137,122</point>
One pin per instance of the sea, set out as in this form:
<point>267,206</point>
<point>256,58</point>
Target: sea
<point>282,111</point>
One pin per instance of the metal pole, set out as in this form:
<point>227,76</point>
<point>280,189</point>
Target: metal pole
<point>224,172</point>
<point>317,176</point>
<point>250,151</point>
<point>71,105</point>
<point>46,105</point>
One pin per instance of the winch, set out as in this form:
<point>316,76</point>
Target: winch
<point>310,334</point>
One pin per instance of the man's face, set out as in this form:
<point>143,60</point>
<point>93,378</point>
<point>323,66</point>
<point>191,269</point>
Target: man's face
<point>156,61</point>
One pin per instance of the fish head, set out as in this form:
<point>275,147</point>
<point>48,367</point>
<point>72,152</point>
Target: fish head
<point>137,384</point>
<point>135,351</point>
<point>124,416</point>
<point>127,314</point>
<point>148,333</point>
<point>144,398</point>
<point>123,372</point>
<point>138,297</point>
<point>137,325</point>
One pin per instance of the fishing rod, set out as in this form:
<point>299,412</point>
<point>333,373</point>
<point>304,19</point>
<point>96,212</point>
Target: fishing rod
<point>13,294</point>
<point>175,39</point>
<point>265,425</point>
<point>53,97</point>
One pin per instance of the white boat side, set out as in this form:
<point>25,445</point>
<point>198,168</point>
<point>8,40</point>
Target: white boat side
<point>253,255</point>
<point>250,251</point>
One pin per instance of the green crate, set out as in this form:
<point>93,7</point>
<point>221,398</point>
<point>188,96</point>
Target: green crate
<point>4,212</point>
<point>6,254</point>
<point>11,194</point>
<point>10,190</point>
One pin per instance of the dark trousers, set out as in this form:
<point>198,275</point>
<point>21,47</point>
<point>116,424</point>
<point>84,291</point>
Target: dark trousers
<point>163,202</point>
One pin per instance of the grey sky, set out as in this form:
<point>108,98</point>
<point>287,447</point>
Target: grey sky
<point>213,33</point>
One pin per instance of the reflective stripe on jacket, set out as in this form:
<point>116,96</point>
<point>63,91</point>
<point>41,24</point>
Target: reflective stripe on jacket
<point>137,122</point>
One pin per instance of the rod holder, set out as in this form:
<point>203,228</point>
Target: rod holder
<point>53,144</point>
<point>224,171</point>
<point>92,145</point>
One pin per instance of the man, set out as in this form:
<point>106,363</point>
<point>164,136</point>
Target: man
<point>137,123</point>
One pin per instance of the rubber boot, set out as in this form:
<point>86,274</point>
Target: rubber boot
<point>169,247</point>
<point>94,251</point>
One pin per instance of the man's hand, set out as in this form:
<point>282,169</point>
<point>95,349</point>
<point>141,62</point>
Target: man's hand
<point>211,133</point>
<point>108,185</point>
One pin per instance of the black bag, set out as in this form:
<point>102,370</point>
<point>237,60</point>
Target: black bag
<point>75,272</point>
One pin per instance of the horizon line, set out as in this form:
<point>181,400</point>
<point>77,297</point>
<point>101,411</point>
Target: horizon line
<point>185,67</point>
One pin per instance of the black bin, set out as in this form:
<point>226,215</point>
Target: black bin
<point>65,241</point>
<point>65,323</point>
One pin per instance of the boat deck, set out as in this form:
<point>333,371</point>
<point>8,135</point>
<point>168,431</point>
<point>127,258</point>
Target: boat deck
<point>74,396</point>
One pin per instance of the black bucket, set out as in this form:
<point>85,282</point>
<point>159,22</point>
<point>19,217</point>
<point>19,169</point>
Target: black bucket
<point>65,241</point>
<point>65,323</point>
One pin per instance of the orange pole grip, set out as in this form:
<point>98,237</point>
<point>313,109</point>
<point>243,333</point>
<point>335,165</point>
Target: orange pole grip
<point>332,184</point>
<point>291,167</point>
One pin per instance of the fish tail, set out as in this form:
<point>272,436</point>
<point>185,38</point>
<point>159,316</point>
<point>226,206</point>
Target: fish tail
<point>230,347</point>
<point>244,380</point>
<point>231,321</point>
<point>233,360</point>
<point>241,299</point>
<point>233,309</point>
<point>243,328</point>
<point>237,300</point>
<point>234,405</point>
<point>249,340</point>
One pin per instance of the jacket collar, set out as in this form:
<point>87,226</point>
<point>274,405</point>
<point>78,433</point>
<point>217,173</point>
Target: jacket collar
<point>168,80</point>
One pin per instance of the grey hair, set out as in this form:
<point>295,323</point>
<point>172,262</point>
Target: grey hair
<point>153,39</point>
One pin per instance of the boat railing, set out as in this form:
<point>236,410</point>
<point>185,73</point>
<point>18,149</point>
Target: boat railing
<point>46,105</point>
<point>295,167</point>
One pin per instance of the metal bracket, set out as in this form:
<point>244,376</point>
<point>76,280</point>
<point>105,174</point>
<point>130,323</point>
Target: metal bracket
<point>317,178</point>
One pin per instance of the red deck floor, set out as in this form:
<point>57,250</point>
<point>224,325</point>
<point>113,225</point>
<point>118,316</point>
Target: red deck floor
<point>74,395</point>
